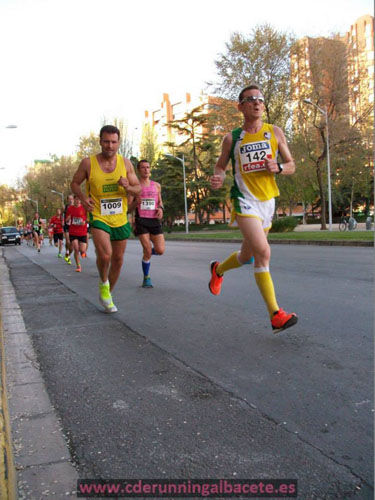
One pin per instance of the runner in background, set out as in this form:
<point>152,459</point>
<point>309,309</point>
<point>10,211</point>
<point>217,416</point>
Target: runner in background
<point>77,220</point>
<point>50,233</point>
<point>66,230</point>
<point>29,233</point>
<point>56,222</point>
<point>148,214</point>
<point>37,228</point>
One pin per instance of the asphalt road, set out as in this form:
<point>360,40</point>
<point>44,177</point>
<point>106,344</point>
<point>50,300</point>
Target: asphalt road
<point>312,384</point>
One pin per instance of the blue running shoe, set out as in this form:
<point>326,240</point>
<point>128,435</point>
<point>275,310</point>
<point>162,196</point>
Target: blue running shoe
<point>147,283</point>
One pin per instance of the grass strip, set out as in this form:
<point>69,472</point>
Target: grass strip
<point>292,236</point>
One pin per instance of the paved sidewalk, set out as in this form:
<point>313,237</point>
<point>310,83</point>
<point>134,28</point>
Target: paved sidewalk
<point>41,460</point>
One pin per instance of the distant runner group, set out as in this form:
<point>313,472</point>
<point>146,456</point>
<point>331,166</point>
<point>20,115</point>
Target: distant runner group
<point>113,190</point>
<point>70,224</point>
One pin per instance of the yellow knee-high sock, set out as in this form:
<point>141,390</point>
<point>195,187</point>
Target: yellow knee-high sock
<point>265,284</point>
<point>231,262</point>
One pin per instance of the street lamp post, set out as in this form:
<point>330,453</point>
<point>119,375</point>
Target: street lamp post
<point>60,194</point>
<point>325,113</point>
<point>34,201</point>
<point>182,160</point>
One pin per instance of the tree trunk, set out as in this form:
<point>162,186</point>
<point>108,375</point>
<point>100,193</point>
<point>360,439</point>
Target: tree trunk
<point>351,201</point>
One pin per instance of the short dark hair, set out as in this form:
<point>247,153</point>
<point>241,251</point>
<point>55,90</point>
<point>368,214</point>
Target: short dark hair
<point>109,129</point>
<point>142,161</point>
<point>253,86</point>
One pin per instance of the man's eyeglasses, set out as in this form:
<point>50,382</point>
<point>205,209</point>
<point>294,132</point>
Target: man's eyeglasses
<point>252,98</point>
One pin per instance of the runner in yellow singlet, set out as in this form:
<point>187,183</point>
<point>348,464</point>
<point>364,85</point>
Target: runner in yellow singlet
<point>253,150</point>
<point>109,179</point>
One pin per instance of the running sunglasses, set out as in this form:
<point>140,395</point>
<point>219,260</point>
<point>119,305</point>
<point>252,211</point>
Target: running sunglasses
<point>252,98</point>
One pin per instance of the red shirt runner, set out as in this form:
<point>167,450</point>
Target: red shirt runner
<point>78,221</point>
<point>57,224</point>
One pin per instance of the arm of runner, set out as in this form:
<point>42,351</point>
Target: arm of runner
<point>217,179</point>
<point>131,182</point>
<point>133,201</point>
<point>80,176</point>
<point>160,209</point>
<point>68,216</point>
<point>288,166</point>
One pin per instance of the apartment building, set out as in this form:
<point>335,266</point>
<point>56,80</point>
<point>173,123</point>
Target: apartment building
<point>360,43</point>
<point>324,64</point>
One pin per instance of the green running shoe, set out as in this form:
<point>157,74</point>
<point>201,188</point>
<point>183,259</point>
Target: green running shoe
<point>105,298</point>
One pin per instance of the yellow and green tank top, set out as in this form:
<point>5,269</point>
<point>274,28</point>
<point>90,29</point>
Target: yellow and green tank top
<point>248,154</point>
<point>110,199</point>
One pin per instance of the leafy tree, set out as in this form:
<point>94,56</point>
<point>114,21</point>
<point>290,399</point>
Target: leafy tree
<point>126,141</point>
<point>200,143</point>
<point>263,58</point>
<point>328,90</point>
<point>41,179</point>
<point>8,196</point>
<point>88,145</point>
<point>354,175</point>
<point>190,129</point>
<point>168,171</point>
<point>149,148</point>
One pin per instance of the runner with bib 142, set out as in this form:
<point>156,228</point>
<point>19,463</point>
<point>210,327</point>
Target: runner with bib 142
<point>253,150</point>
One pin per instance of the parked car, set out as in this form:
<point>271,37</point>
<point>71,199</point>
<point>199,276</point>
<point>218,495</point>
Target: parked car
<point>10,235</point>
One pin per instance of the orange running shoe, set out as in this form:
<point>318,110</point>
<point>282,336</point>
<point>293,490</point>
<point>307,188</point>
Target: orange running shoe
<point>216,281</point>
<point>78,269</point>
<point>83,255</point>
<point>282,320</point>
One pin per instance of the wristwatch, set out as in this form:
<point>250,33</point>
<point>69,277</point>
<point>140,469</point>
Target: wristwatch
<point>281,167</point>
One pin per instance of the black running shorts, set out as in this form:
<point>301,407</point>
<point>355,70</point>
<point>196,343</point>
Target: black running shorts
<point>58,236</point>
<point>82,239</point>
<point>145,225</point>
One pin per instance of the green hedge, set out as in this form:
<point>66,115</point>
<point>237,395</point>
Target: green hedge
<point>284,225</point>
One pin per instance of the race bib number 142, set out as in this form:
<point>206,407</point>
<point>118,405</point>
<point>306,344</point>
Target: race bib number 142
<point>253,156</point>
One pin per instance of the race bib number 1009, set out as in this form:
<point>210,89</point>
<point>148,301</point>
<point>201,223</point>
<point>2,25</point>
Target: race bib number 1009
<point>253,156</point>
<point>111,206</point>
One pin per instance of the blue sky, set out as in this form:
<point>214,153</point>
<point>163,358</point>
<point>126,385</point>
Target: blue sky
<point>68,63</point>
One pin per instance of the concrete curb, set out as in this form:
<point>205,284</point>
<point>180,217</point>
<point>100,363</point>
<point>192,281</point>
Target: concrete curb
<point>8,486</point>
<point>42,463</point>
